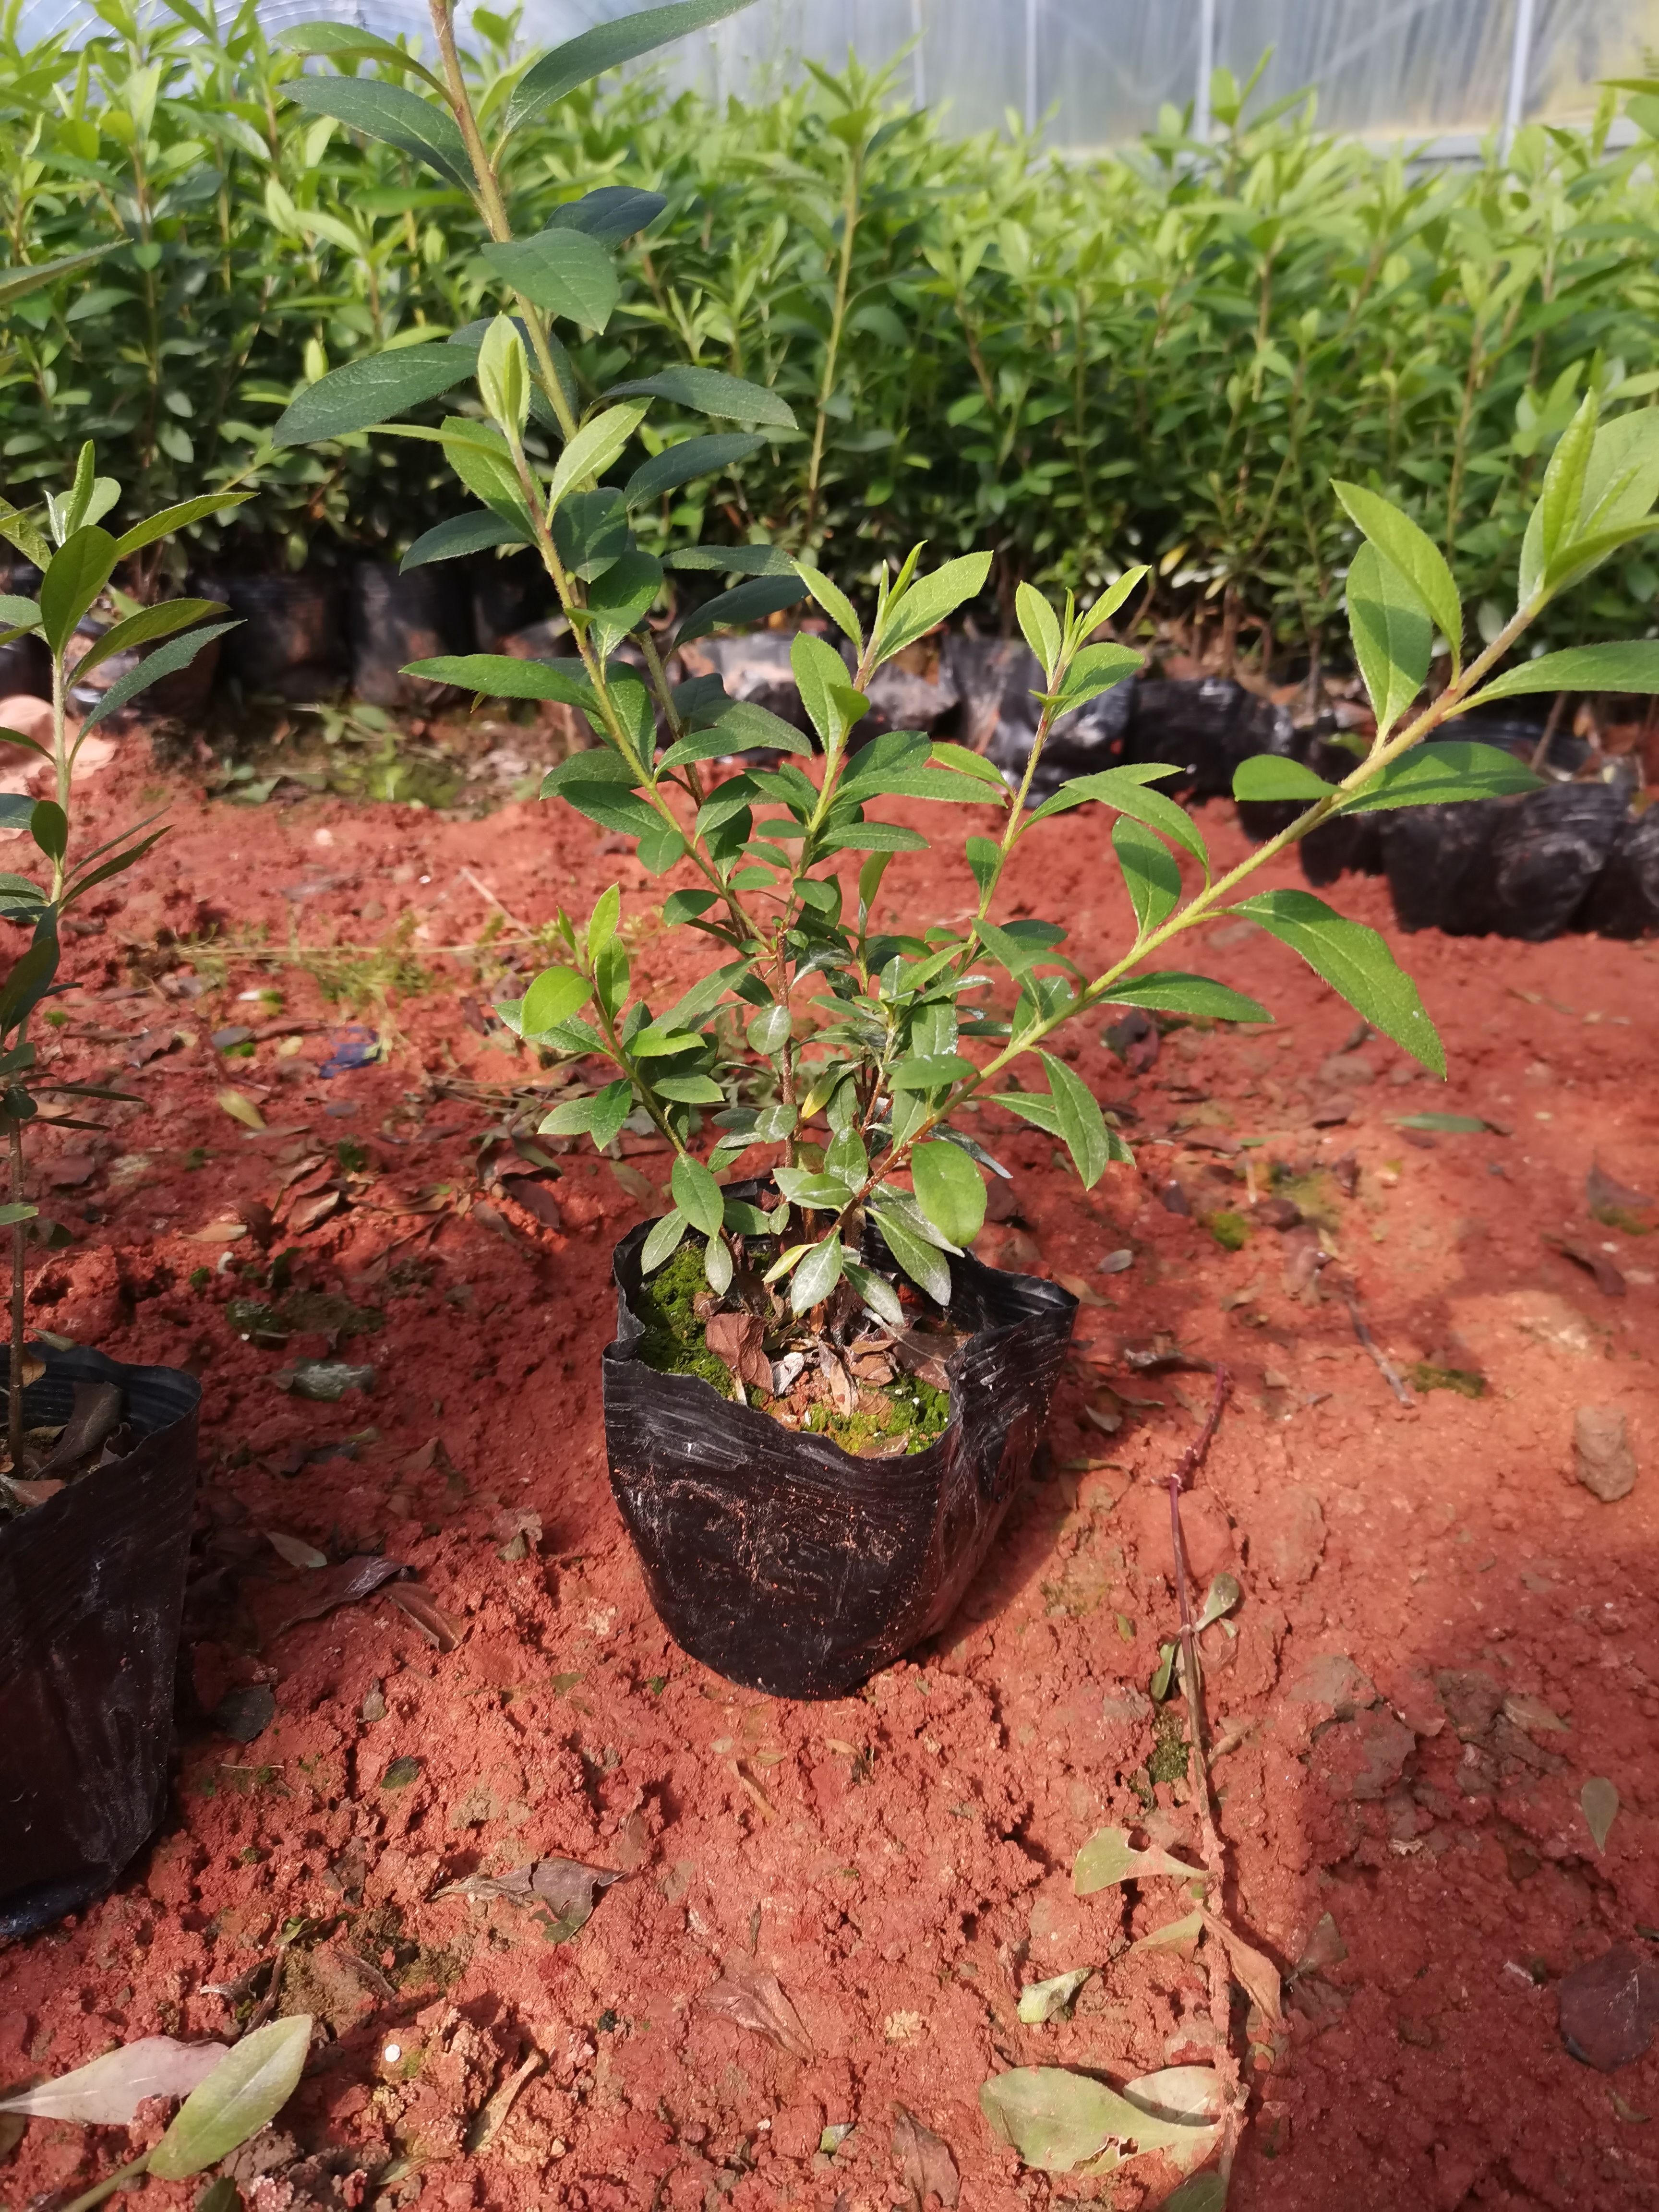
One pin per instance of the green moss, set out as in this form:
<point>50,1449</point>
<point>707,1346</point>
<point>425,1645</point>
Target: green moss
<point>673,1341</point>
<point>673,1344</point>
<point>1463,1380</point>
<point>1622,1217</point>
<point>1314,1193</point>
<point>1167,1762</point>
<point>1230,1230</point>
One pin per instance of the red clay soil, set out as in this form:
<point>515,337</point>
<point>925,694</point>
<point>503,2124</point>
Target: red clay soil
<point>1427,1593</point>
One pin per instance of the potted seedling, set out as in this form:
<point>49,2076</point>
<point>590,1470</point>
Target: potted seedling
<point>820,1403</point>
<point>99,1470</point>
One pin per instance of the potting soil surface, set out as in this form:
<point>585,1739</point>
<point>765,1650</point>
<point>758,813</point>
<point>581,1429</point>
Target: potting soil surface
<point>1443,1632</point>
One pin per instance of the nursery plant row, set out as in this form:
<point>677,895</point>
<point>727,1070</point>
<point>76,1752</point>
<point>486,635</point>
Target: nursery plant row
<point>1164,354</point>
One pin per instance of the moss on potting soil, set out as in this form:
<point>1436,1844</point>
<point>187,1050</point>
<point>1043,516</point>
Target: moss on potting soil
<point>1314,1194</point>
<point>1167,1762</point>
<point>1463,1380</point>
<point>1230,1230</point>
<point>673,1344</point>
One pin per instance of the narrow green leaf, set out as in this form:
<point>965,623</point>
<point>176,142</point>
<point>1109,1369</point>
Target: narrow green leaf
<point>1267,775</point>
<point>608,46</point>
<point>1391,634</point>
<point>872,837</point>
<point>1440,774</point>
<point>741,607</point>
<point>930,1072</point>
<point>620,600</point>
<point>610,213</point>
<point>1125,789</point>
<point>75,575</point>
<point>1555,520</point>
<point>950,1190</point>
<point>685,463</point>
<point>171,519</point>
<point>562,271</point>
<point>929,600</point>
<point>500,676</point>
<point>1169,992</point>
<point>463,535</point>
<point>1039,626</point>
<point>246,2090</point>
<point>924,1263</point>
<point>1082,1126</point>
<point>593,448</point>
<point>346,42</point>
<point>665,1240</point>
<point>553,997</point>
<point>697,1194</point>
<point>166,660</point>
<point>159,621</point>
<point>391,113</point>
<point>711,391</point>
<point>816,1275</point>
<point>1414,554</point>
<point>877,1292</point>
<point>1355,962</point>
<point>49,827</point>
<point>835,603</point>
<point>1150,872</point>
<point>1633,666</point>
<point>16,281</point>
<point>367,392</point>
<point>819,673</point>
<point>1097,668</point>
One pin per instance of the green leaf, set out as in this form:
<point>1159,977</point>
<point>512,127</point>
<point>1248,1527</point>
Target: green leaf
<point>246,2090</point>
<point>76,572</point>
<point>1039,626</point>
<point>1150,872</point>
<point>171,519</point>
<point>684,463</point>
<point>562,271</point>
<point>1391,633</point>
<point>619,600</point>
<point>930,1072</point>
<point>872,837</point>
<point>49,827</point>
<point>370,391</point>
<point>711,391</point>
<point>665,1240</point>
<point>1033,1106</point>
<point>166,660</point>
<point>928,602</point>
<point>346,42</point>
<point>1455,1125</point>
<point>16,281</point>
<point>924,1263</point>
<point>16,1212</point>
<point>499,676</point>
<point>835,603</point>
<point>950,1190</point>
<point>820,676</point>
<point>590,531</point>
<point>1169,992</point>
<point>733,560</point>
<point>1268,775</point>
<point>1051,2000</point>
<point>599,1117</point>
<point>743,728</point>
<point>741,607</point>
<point>1096,669</point>
<point>1440,774</point>
<point>553,997</point>
<point>697,1194</point>
<point>393,114</point>
<point>1414,554</point>
<point>1355,962</point>
<point>688,1090</point>
<point>816,1275</point>
<point>465,534</point>
<point>1108,1858</point>
<point>159,621</point>
<point>610,213</point>
<point>607,47</point>
<point>31,975</point>
<point>18,613</point>
<point>1082,1126</point>
<point>593,448</point>
<point>1554,521</point>
<point>1125,789</point>
<point>1057,2121</point>
<point>961,762</point>
<point>1633,666</point>
<point>877,1292</point>
<point>769,1032</point>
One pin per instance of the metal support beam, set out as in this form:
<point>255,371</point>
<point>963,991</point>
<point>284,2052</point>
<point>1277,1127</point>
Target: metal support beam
<point>1515,108</point>
<point>1031,64</point>
<point>1205,69</point>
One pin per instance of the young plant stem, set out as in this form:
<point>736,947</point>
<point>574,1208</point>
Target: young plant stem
<point>19,1249</point>
<point>109,2185</point>
<point>849,223</point>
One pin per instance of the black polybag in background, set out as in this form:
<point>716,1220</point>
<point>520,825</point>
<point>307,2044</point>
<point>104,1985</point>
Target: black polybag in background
<point>1625,902</point>
<point>1518,867</point>
<point>789,1565</point>
<point>290,639</point>
<point>397,618</point>
<point>1078,743</point>
<point>1203,728</point>
<point>92,1588</point>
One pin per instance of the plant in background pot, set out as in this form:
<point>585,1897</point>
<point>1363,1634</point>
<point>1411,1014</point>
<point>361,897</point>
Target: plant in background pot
<point>820,1403</point>
<point>100,1464</point>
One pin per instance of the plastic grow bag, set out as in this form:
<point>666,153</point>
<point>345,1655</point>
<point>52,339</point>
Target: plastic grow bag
<point>1624,900</point>
<point>789,1565</point>
<point>1204,728</point>
<point>1502,868</point>
<point>1078,743</point>
<point>397,618</point>
<point>290,639</point>
<point>92,1588</point>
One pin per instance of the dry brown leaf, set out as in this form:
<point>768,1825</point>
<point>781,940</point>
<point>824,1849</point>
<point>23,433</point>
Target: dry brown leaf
<point>108,2091</point>
<point>94,1415</point>
<point>306,1213</point>
<point>217,1233</point>
<point>754,1998</point>
<point>240,1108</point>
<point>346,1584</point>
<point>564,1887</point>
<point>925,2165</point>
<point>637,1185</point>
<point>295,1551</point>
<point>442,1633</point>
<point>1255,1973</point>
<point>491,2116</point>
<point>1080,1291</point>
<point>736,1339</point>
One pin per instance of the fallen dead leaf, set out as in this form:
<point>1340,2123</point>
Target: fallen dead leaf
<point>442,1633</point>
<point>217,1233</point>
<point>754,1998</point>
<point>306,1213</point>
<point>1609,2008</point>
<point>240,1108</point>
<point>1255,1973</point>
<point>1080,1290</point>
<point>297,1553</point>
<point>925,2165</point>
<point>736,1339</point>
<point>492,2115</point>
<point>563,1887</point>
<point>108,2092</point>
<point>346,1584</point>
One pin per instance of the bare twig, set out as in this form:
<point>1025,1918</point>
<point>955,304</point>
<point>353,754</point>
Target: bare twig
<point>1386,1367</point>
<point>485,893</point>
<point>1198,1774</point>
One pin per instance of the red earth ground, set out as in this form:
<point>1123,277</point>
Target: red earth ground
<point>1425,1589</point>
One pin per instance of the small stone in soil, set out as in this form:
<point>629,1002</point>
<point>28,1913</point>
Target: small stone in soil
<point>1602,1452</point>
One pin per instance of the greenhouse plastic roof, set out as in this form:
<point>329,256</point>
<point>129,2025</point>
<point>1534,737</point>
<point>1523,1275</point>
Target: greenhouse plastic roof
<point>1096,72</point>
